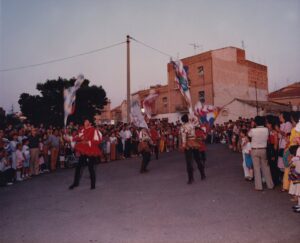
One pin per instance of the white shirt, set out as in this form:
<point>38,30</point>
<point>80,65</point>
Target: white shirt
<point>246,148</point>
<point>296,162</point>
<point>127,134</point>
<point>286,128</point>
<point>259,137</point>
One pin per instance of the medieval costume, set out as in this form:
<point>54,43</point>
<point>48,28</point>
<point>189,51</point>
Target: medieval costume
<point>87,146</point>
<point>191,148</point>
<point>145,149</point>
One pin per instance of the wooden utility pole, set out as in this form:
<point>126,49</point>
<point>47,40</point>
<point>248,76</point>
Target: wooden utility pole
<point>256,98</point>
<point>128,79</point>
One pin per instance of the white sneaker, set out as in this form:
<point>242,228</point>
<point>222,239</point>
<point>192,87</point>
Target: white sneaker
<point>19,179</point>
<point>9,183</point>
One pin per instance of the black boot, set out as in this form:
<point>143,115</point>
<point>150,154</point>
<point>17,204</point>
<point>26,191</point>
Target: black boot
<point>191,178</point>
<point>73,186</point>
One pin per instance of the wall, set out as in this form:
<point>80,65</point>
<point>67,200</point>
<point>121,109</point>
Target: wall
<point>235,110</point>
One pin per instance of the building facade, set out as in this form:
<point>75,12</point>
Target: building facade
<point>219,77</point>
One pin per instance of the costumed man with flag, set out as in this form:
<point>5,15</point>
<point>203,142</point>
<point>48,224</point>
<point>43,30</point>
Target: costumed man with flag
<point>189,143</point>
<point>88,139</point>
<point>145,141</point>
<point>87,146</point>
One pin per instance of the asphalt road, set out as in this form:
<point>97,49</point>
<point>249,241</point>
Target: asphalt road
<point>155,207</point>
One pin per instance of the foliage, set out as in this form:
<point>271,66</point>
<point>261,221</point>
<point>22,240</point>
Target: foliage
<point>47,108</point>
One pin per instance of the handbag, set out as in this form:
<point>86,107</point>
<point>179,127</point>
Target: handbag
<point>248,161</point>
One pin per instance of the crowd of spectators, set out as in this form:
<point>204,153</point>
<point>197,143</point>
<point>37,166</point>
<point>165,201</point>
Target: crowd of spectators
<point>27,151</point>
<point>277,139</point>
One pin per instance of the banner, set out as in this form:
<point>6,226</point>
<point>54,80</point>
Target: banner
<point>137,117</point>
<point>182,82</point>
<point>149,101</point>
<point>70,97</point>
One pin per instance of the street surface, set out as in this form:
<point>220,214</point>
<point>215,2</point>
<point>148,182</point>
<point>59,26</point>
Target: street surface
<point>156,207</point>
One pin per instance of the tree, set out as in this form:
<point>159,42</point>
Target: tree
<point>47,108</point>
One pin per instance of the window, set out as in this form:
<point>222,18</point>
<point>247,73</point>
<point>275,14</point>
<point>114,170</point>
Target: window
<point>165,104</point>
<point>201,71</point>
<point>201,95</point>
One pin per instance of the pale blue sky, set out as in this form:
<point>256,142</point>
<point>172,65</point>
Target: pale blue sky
<point>34,31</point>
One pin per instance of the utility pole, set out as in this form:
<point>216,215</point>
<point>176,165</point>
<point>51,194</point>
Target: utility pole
<point>128,79</point>
<point>256,99</point>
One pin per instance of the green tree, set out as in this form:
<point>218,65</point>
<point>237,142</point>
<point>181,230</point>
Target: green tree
<point>47,108</point>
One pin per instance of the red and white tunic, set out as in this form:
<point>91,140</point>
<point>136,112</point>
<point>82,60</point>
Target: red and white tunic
<point>87,142</point>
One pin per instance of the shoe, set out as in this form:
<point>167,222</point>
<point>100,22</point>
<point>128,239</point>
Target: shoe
<point>19,179</point>
<point>9,183</point>
<point>297,210</point>
<point>203,177</point>
<point>72,187</point>
<point>296,207</point>
<point>259,190</point>
<point>93,187</point>
<point>190,181</point>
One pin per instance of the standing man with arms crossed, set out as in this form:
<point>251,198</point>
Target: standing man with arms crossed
<point>259,137</point>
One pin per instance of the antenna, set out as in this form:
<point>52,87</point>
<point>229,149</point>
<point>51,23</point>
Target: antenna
<point>243,45</point>
<point>196,46</point>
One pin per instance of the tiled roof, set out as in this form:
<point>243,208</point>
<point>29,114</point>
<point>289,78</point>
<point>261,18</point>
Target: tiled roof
<point>292,90</point>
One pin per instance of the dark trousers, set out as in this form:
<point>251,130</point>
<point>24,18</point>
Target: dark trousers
<point>85,160</point>
<point>6,176</point>
<point>127,152</point>
<point>145,162</point>
<point>155,150</point>
<point>272,156</point>
<point>191,154</point>
<point>202,155</point>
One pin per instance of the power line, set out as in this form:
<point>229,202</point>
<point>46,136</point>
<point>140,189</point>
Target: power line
<point>155,49</point>
<point>61,59</point>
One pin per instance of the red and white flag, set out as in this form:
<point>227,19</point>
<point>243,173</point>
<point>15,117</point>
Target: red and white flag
<point>70,97</point>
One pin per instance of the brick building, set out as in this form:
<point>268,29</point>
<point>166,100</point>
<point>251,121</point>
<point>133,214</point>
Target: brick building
<point>223,77</point>
<point>289,95</point>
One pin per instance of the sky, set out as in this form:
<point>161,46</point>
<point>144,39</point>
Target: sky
<point>35,31</point>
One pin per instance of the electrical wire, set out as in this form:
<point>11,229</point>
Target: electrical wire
<point>155,49</point>
<point>61,59</point>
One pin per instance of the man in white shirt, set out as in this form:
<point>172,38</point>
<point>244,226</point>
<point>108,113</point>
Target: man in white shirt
<point>128,136</point>
<point>259,137</point>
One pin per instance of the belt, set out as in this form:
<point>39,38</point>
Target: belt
<point>258,148</point>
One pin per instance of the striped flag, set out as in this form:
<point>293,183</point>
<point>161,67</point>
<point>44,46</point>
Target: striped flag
<point>148,101</point>
<point>70,97</point>
<point>182,82</point>
<point>207,114</point>
<point>137,117</point>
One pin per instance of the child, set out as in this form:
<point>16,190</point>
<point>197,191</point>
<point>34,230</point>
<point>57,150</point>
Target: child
<point>19,162</point>
<point>246,152</point>
<point>294,175</point>
<point>26,154</point>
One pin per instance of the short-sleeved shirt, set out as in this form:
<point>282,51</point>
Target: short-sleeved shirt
<point>259,137</point>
